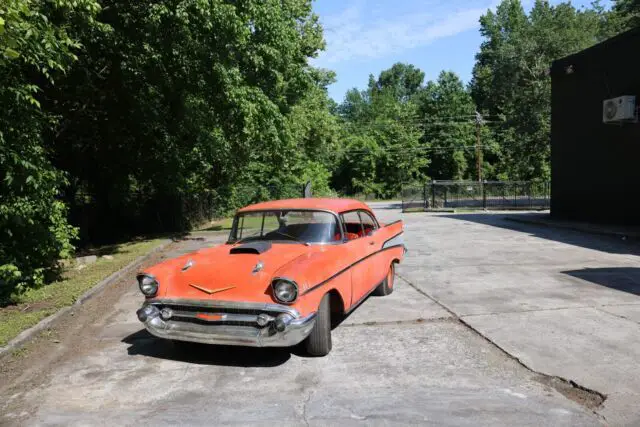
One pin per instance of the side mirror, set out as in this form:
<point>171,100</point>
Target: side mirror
<point>371,232</point>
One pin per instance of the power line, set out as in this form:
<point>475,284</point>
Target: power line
<point>412,149</point>
<point>422,122</point>
<point>478,122</point>
<point>425,125</point>
<point>424,148</point>
<point>416,119</point>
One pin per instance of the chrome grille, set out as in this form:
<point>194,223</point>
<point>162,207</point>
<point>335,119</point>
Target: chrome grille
<point>195,309</point>
<point>228,316</point>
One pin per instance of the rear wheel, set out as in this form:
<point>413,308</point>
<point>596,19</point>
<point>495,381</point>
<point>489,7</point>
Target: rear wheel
<point>386,287</point>
<point>318,343</point>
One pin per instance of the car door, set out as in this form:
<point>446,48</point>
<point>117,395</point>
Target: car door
<point>358,249</point>
<point>377,270</point>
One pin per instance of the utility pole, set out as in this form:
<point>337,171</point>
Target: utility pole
<point>478,146</point>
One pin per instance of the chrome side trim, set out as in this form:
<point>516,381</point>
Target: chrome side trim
<point>314,287</point>
<point>396,240</point>
<point>236,305</point>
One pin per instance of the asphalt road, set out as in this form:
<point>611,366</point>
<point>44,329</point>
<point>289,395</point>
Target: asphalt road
<point>405,359</point>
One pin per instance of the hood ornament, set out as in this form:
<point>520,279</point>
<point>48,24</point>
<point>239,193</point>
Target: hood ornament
<point>259,266</point>
<point>210,291</point>
<point>188,265</point>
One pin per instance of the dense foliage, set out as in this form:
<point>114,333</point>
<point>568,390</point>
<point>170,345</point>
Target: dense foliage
<point>125,117</point>
<point>380,134</point>
<point>128,117</point>
<point>511,76</point>
<point>35,48</point>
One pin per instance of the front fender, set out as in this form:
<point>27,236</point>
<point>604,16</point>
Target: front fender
<point>317,273</point>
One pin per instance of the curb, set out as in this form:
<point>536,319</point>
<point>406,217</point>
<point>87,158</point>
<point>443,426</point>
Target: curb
<point>435,210</point>
<point>583,229</point>
<point>27,334</point>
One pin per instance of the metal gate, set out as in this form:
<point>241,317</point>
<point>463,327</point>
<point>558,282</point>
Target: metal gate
<point>497,195</point>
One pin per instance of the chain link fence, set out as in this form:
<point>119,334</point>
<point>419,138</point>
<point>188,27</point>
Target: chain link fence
<point>495,195</point>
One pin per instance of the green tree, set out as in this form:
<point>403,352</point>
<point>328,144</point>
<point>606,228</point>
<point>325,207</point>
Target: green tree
<point>35,49</point>
<point>448,114</point>
<point>510,78</point>
<point>177,105</point>
<point>382,135</point>
<point>625,15</point>
<point>315,133</point>
<point>401,80</point>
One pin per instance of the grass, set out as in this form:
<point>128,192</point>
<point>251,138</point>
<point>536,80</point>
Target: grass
<point>218,225</point>
<point>250,222</point>
<point>36,304</point>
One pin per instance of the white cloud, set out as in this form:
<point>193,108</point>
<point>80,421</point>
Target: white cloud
<point>352,35</point>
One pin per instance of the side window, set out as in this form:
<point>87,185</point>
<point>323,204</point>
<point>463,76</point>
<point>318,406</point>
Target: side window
<point>352,226</point>
<point>368,223</point>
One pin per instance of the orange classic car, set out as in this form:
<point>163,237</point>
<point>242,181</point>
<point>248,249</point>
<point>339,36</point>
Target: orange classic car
<point>290,270</point>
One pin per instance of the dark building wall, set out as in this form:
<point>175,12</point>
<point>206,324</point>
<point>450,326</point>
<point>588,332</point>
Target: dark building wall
<point>595,167</point>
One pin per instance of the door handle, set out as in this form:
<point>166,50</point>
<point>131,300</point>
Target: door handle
<point>372,243</point>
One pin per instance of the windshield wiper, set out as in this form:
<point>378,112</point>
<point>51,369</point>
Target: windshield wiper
<point>291,237</point>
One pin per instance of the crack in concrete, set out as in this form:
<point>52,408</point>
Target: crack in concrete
<point>619,316</point>
<point>420,291</point>
<point>417,321</point>
<point>622,304</point>
<point>304,408</point>
<point>532,310</point>
<point>548,265</point>
<point>589,398</point>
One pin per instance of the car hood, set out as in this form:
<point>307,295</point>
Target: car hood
<point>225,273</point>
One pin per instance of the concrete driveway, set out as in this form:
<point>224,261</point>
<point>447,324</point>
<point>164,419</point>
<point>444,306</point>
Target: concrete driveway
<point>564,303</point>
<point>409,358</point>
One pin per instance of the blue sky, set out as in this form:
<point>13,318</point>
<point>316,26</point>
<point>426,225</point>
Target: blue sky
<point>368,36</point>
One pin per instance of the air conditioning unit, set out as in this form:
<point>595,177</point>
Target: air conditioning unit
<point>620,109</point>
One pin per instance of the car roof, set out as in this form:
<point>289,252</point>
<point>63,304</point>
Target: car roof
<point>334,205</point>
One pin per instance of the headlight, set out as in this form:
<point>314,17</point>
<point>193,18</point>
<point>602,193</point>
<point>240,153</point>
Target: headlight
<point>148,285</point>
<point>285,291</point>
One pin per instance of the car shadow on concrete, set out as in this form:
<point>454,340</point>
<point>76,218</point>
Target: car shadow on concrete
<point>625,279</point>
<point>339,319</point>
<point>604,243</point>
<point>144,344</point>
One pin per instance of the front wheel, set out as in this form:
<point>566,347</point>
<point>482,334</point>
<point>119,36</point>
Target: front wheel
<point>318,343</point>
<point>386,287</point>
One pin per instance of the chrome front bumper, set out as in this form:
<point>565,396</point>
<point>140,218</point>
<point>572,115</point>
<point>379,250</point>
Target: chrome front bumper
<point>217,322</point>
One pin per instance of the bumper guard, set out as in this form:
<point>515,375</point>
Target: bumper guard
<point>244,329</point>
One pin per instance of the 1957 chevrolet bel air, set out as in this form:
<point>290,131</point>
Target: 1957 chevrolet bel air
<point>289,270</point>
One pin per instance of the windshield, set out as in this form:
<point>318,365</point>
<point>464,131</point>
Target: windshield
<point>286,225</point>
